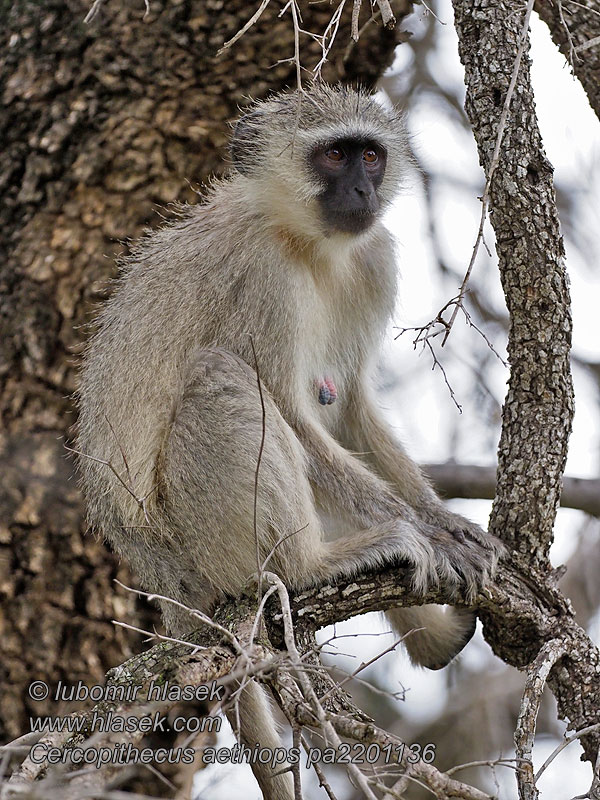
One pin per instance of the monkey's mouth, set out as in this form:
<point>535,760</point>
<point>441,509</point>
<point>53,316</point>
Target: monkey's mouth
<point>357,221</point>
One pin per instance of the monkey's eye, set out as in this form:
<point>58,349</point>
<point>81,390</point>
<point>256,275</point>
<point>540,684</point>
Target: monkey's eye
<point>335,154</point>
<point>370,155</point>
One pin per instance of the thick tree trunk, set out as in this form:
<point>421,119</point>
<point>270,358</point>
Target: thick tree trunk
<point>101,125</point>
<point>538,409</point>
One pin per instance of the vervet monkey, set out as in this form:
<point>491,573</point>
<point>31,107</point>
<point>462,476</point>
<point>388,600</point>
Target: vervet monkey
<point>285,267</point>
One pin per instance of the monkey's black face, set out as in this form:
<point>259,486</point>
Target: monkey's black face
<point>352,171</point>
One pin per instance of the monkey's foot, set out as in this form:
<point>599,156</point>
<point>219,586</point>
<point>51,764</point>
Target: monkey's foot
<point>327,391</point>
<point>462,529</point>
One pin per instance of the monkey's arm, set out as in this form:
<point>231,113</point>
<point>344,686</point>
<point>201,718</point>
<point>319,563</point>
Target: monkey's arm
<point>348,484</point>
<point>367,433</point>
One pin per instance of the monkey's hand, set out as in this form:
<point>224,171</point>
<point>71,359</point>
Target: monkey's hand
<point>460,527</point>
<point>471,550</point>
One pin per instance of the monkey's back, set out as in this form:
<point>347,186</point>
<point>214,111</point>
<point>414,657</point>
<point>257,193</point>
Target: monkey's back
<point>187,286</point>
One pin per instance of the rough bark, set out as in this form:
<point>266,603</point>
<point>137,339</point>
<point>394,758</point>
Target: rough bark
<point>100,125</point>
<point>538,409</point>
<point>573,27</point>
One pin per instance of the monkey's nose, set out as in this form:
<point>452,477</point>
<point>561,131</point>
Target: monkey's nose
<point>363,191</point>
<point>367,198</point>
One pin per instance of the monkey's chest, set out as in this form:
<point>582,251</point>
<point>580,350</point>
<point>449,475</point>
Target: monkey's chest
<point>331,360</point>
<point>337,333</point>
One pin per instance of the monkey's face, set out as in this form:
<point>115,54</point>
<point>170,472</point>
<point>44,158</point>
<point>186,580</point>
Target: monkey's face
<point>351,171</point>
<point>324,162</point>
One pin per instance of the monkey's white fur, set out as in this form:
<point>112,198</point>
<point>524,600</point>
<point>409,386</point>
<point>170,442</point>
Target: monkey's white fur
<point>169,394</point>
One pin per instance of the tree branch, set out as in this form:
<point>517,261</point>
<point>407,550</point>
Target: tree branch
<point>575,30</point>
<point>472,482</point>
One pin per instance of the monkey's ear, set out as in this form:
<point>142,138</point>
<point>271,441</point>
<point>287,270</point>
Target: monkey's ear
<point>245,145</point>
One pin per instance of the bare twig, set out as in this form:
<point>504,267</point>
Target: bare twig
<point>296,739</point>
<point>352,43</point>
<point>537,675</point>
<point>95,8</point>
<point>396,792</point>
<point>572,738</point>
<point>512,763</point>
<point>572,53</point>
<point>199,615</point>
<point>253,19</point>
<point>387,15</point>
<point>141,501</point>
<point>328,38</point>
<point>588,45</point>
<point>364,664</point>
<point>307,688</point>
<point>320,774</point>
<point>257,470</point>
<point>150,635</point>
<point>355,33</point>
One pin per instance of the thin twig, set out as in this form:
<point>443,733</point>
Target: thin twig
<point>587,45</point>
<point>573,737</point>
<point>387,15</point>
<point>355,33</point>
<point>257,470</point>
<point>307,688</point>
<point>581,5</point>
<point>364,664</point>
<point>328,38</point>
<point>253,19</point>
<point>572,53</point>
<point>352,43</point>
<point>156,635</point>
<point>497,762</point>
<point>320,774</point>
<point>141,501</point>
<point>296,739</point>
<point>200,615</point>
<point>93,11</point>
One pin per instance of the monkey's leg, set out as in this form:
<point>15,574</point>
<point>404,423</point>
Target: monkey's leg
<point>207,471</point>
<point>365,431</point>
<point>442,632</point>
<point>346,484</point>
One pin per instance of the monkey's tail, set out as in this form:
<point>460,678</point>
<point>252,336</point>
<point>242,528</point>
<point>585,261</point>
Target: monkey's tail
<point>258,726</point>
<point>446,632</point>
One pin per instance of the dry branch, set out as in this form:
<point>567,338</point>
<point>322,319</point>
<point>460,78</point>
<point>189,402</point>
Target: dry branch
<point>472,481</point>
<point>537,675</point>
